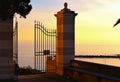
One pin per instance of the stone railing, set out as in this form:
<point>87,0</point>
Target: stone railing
<point>92,72</point>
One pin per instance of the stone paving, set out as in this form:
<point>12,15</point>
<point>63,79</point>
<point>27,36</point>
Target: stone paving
<point>49,77</point>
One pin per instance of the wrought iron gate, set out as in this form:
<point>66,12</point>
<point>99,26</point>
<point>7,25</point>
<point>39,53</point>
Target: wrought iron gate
<point>15,49</point>
<point>44,48</point>
<point>15,43</point>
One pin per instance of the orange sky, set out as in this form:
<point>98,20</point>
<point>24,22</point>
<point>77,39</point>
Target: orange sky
<point>94,22</point>
<point>93,27</point>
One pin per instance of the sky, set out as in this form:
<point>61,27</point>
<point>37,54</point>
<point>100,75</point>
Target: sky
<point>93,23</point>
<point>94,32</point>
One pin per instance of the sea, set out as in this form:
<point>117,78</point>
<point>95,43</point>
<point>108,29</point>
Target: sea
<point>26,54</point>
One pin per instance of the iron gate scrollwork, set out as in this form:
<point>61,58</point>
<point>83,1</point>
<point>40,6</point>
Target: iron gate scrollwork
<point>44,47</point>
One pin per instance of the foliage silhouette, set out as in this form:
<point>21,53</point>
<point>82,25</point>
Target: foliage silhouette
<point>27,70</point>
<point>9,7</point>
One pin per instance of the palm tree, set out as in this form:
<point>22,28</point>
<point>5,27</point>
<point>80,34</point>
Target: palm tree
<point>117,22</point>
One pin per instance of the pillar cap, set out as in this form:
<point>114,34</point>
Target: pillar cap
<point>65,10</point>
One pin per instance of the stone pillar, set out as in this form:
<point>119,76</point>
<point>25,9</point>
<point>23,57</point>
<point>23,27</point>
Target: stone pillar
<point>65,42</point>
<point>6,50</point>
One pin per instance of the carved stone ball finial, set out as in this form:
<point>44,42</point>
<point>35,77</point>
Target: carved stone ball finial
<point>65,5</point>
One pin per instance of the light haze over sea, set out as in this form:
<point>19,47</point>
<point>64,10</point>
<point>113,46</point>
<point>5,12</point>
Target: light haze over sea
<point>26,53</point>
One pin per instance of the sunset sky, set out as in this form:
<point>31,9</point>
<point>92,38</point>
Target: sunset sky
<point>93,27</point>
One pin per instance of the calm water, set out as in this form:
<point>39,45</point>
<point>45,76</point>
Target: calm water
<point>106,61</point>
<point>26,54</point>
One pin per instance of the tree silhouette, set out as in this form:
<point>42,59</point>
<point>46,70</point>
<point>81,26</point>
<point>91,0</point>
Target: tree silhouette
<point>9,7</point>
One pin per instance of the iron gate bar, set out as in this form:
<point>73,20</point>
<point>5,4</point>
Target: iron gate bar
<point>34,45</point>
<point>38,49</point>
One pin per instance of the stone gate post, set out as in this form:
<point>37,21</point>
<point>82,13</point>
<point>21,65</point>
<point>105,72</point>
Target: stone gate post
<point>7,10</point>
<point>65,41</point>
<point>6,50</point>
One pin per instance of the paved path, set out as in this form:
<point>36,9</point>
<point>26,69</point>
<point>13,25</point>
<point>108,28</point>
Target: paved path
<point>44,78</point>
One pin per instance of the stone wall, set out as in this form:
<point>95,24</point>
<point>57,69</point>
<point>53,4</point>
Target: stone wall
<point>92,72</point>
<point>50,64</point>
<point>6,49</point>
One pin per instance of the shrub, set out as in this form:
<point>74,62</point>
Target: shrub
<point>27,70</point>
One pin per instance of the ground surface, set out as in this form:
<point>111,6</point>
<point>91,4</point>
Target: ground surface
<point>49,77</point>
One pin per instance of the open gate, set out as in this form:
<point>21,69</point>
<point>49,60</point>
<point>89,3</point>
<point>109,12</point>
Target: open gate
<point>44,48</point>
<point>15,43</point>
<point>15,50</point>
